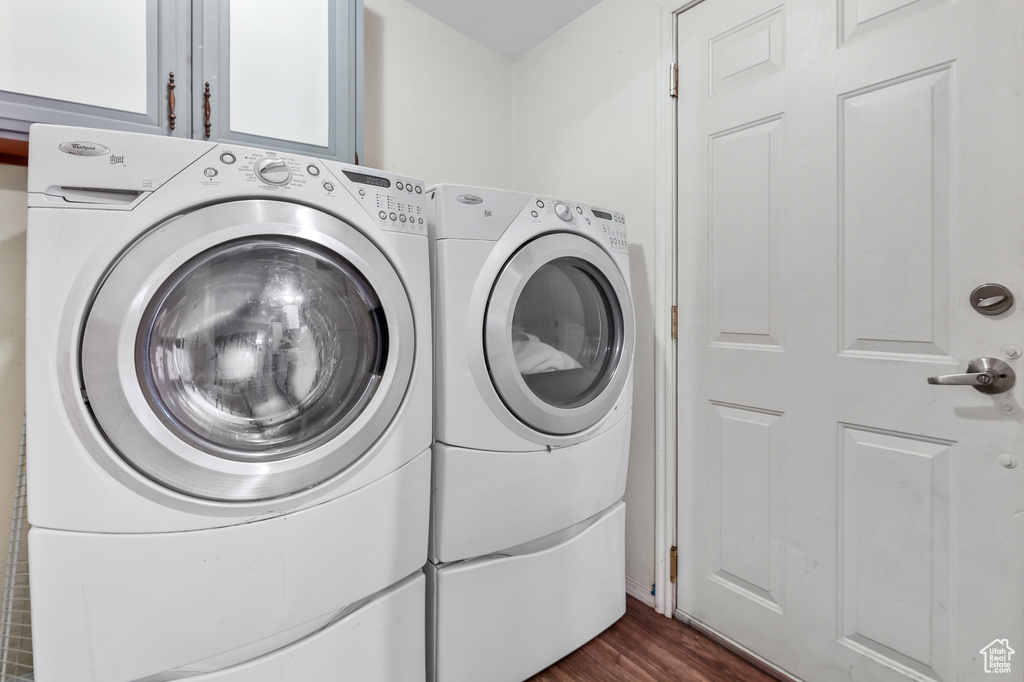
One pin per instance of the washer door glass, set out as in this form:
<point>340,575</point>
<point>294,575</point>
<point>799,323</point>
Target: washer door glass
<point>247,350</point>
<point>259,349</point>
<point>559,334</point>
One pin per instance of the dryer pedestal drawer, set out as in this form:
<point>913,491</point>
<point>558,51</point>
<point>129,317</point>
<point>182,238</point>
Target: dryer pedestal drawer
<point>485,501</point>
<point>502,618</point>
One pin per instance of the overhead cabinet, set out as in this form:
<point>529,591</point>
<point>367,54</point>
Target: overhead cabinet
<point>262,73</point>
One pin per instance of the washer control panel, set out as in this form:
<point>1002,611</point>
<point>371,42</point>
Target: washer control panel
<point>394,202</point>
<point>258,169</point>
<point>273,171</point>
<point>611,225</point>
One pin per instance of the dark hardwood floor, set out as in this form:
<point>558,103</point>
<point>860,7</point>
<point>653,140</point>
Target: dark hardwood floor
<point>646,646</point>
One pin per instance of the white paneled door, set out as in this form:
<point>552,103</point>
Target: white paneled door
<point>849,172</point>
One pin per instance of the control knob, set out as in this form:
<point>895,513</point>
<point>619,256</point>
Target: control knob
<point>563,212</point>
<point>274,171</point>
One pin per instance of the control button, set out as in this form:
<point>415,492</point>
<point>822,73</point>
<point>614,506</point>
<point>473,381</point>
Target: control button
<point>402,217</point>
<point>210,172</point>
<point>329,186</point>
<point>563,212</point>
<point>534,214</point>
<point>274,171</point>
<point>228,158</point>
<point>540,204</point>
<point>312,170</point>
<point>579,210</point>
<point>419,190</point>
<point>393,216</point>
<point>399,185</point>
<point>408,187</point>
<point>362,192</point>
<point>421,221</point>
<point>383,215</point>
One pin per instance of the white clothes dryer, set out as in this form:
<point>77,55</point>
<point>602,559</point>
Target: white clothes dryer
<point>534,335</point>
<point>228,412</point>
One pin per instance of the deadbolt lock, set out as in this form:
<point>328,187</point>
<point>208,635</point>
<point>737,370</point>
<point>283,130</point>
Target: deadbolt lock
<point>991,299</point>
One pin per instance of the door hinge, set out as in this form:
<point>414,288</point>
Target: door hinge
<point>673,80</point>
<point>673,564</point>
<point>675,322</point>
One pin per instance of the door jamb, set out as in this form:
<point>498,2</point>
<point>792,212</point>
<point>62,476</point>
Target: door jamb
<point>665,370</point>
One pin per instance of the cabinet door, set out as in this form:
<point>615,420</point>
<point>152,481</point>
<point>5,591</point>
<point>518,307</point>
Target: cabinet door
<point>101,64</point>
<point>279,75</point>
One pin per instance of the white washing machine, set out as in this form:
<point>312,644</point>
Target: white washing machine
<point>533,338</point>
<point>229,413</point>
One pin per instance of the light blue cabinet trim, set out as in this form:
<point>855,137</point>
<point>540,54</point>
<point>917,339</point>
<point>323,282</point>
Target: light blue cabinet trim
<point>211,55</point>
<point>191,39</point>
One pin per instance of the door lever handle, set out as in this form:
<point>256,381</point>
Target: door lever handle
<point>987,375</point>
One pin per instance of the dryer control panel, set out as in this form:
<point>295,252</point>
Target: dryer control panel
<point>612,225</point>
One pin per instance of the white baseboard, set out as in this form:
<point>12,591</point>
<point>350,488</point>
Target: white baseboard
<point>639,591</point>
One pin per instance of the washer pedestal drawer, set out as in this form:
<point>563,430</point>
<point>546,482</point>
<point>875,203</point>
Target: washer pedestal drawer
<point>110,607</point>
<point>503,618</point>
<point>381,641</point>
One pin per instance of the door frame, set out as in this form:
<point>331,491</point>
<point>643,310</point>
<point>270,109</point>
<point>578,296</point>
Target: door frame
<point>665,355</point>
<point>666,347</point>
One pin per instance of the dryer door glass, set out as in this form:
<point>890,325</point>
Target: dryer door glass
<point>563,332</point>
<point>261,348</point>
<point>559,334</point>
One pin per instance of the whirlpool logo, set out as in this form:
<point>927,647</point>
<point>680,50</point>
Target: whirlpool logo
<point>85,149</point>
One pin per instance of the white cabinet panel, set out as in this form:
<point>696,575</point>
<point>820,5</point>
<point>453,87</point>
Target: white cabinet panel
<point>281,49</point>
<point>90,53</point>
<point>103,64</point>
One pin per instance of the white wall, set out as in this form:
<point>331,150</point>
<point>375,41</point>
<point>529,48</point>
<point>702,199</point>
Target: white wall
<point>585,129</point>
<point>438,105</point>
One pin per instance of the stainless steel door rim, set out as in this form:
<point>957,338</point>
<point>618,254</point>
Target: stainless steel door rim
<point>593,403</point>
<point>150,439</point>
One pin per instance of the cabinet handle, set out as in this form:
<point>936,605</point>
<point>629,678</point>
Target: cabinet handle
<point>170,88</point>
<point>206,109</point>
